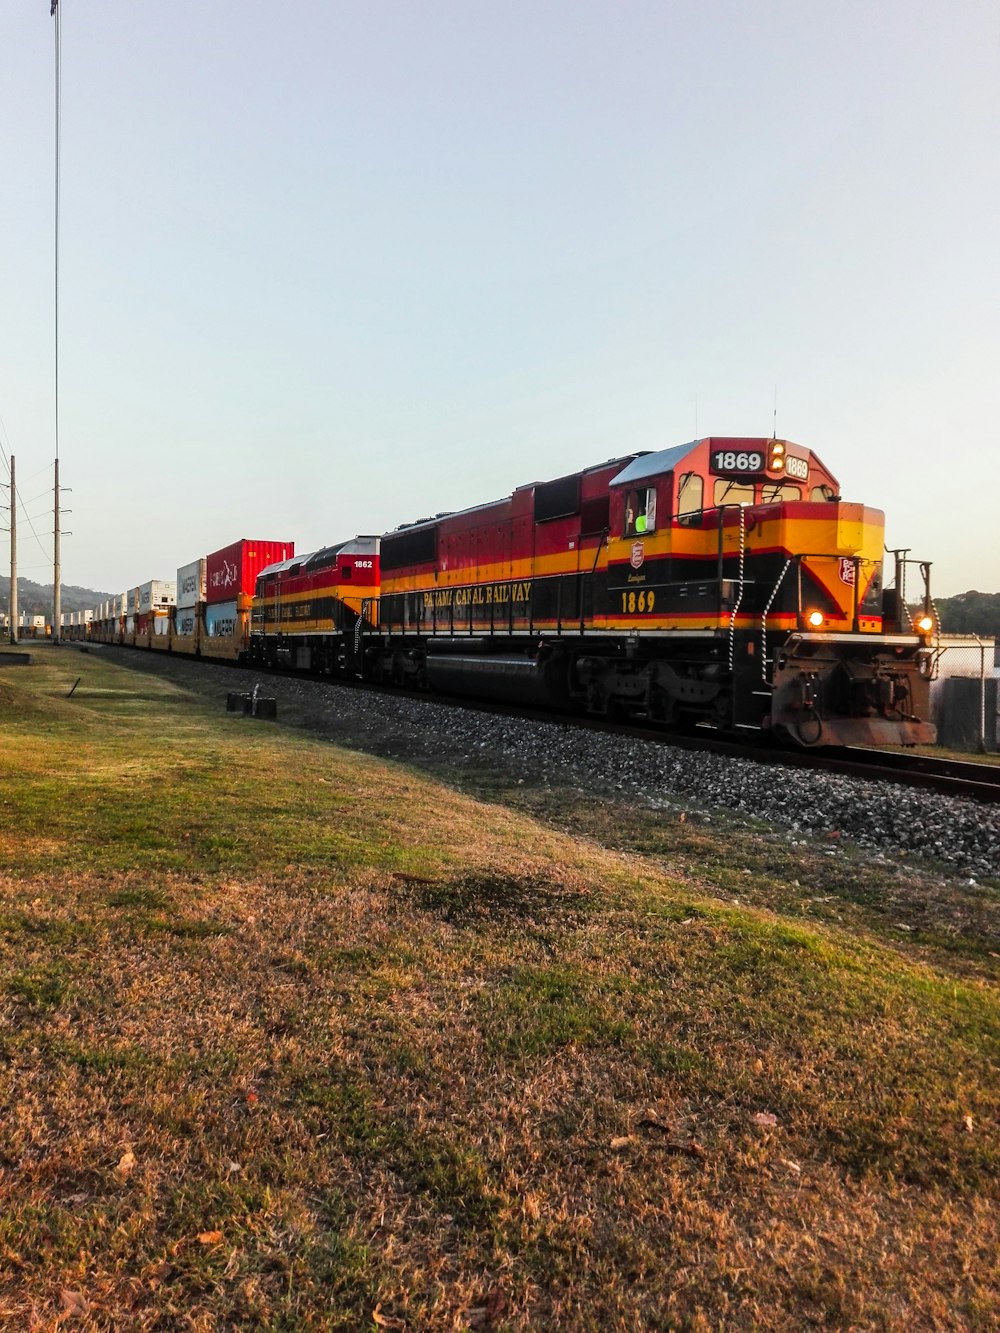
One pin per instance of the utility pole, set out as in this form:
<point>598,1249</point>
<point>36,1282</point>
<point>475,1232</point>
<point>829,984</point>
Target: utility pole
<point>57,570</point>
<point>13,553</point>
<point>56,13</point>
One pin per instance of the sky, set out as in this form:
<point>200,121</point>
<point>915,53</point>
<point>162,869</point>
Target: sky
<point>329,268</point>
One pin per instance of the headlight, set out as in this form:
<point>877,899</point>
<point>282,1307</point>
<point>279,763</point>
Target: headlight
<point>925,624</point>
<point>815,619</point>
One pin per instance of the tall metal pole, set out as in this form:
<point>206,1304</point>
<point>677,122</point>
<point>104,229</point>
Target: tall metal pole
<point>13,553</point>
<point>56,13</point>
<point>57,571</point>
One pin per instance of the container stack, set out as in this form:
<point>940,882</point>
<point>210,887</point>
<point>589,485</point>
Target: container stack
<point>189,595</point>
<point>230,578</point>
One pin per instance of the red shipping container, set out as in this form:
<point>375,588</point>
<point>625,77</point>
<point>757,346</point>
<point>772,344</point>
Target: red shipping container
<point>234,569</point>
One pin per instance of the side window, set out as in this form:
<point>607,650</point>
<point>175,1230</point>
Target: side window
<point>346,571</point>
<point>690,498</point>
<point>822,493</point>
<point>732,493</point>
<point>640,511</point>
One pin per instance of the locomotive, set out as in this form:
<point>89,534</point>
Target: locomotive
<point>723,583</point>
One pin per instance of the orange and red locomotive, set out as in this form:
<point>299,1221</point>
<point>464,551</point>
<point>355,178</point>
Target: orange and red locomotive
<point>721,582</point>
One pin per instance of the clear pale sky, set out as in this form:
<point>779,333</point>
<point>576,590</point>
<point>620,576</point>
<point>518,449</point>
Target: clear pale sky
<point>331,267</point>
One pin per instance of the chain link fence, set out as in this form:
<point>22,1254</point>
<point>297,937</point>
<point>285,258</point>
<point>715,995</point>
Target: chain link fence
<point>965,696</point>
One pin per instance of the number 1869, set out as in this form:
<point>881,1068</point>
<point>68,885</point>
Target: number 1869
<point>638,601</point>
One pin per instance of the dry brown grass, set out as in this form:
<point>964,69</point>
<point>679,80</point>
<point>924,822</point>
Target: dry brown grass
<point>327,1044</point>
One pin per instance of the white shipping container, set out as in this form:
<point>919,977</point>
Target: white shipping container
<point>191,583</point>
<point>155,594</point>
<point>86,617</point>
<point>221,620</point>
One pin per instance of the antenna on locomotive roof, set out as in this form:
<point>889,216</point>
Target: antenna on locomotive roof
<point>696,416</point>
<point>774,435</point>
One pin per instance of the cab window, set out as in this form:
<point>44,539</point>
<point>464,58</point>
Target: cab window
<point>774,493</point>
<point>822,493</point>
<point>690,498</point>
<point>732,493</point>
<point>640,511</point>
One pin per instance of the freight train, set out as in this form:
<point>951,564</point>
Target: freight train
<point>722,583</point>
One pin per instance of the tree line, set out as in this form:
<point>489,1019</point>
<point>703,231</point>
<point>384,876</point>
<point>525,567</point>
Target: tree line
<point>970,613</point>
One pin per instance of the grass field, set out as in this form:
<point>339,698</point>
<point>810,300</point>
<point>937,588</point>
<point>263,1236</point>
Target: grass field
<point>294,1038</point>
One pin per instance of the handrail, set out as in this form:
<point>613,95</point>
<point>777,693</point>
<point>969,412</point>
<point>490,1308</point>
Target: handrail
<point>739,595</point>
<point>763,618</point>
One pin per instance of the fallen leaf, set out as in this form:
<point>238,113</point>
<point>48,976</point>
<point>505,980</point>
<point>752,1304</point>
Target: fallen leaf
<point>232,1168</point>
<point>622,1141</point>
<point>496,1303</point>
<point>252,1099</point>
<point>765,1119</point>
<point>968,1123</point>
<point>126,1162</point>
<point>74,1302</point>
<point>792,1166</point>
<point>210,1237</point>
<point>386,1320</point>
<point>650,1121</point>
<point>690,1146</point>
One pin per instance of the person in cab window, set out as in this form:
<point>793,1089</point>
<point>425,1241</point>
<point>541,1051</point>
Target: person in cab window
<point>640,512</point>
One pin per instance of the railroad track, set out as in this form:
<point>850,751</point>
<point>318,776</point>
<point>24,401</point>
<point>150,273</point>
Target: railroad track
<point>978,781</point>
<point>958,777</point>
<point>973,780</point>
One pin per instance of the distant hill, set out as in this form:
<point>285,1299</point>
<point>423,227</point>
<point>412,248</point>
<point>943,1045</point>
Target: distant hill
<point>970,613</point>
<point>35,599</point>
